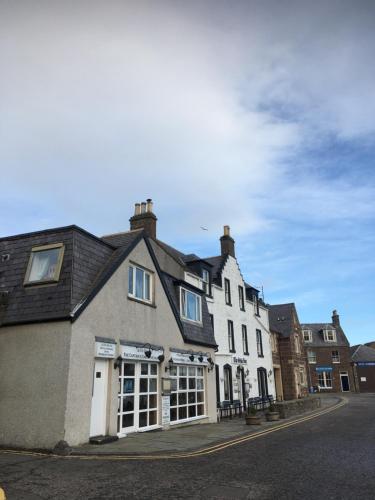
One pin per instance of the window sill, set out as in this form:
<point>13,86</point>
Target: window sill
<point>192,321</point>
<point>242,309</point>
<point>186,420</point>
<point>260,355</point>
<point>40,283</point>
<point>246,354</point>
<point>140,301</point>
<point>232,352</point>
<point>228,304</point>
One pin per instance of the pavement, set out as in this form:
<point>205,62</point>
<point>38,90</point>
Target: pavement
<point>188,438</point>
<point>331,456</point>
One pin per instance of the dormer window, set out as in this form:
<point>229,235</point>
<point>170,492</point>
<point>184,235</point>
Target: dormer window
<point>307,335</point>
<point>191,306</point>
<point>140,283</point>
<point>206,281</point>
<point>330,335</point>
<point>44,264</point>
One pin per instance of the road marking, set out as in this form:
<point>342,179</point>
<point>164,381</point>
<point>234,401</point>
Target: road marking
<point>198,453</point>
<point>2,494</point>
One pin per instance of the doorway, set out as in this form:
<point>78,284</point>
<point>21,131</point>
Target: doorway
<point>99,399</point>
<point>262,382</point>
<point>138,397</point>
<point>344,377</point>
<point>228,386</point>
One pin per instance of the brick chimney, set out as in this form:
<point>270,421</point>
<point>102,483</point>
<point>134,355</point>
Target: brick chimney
<point>144,218</point>
<point>227,243</point>
<point>335,318</point>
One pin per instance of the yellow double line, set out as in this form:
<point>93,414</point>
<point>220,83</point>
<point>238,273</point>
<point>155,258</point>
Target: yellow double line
<point>198,453</point>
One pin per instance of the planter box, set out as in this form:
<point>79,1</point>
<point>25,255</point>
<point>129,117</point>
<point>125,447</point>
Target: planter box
<point>253,420</point>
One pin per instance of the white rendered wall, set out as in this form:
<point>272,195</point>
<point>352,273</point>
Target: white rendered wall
<point>222,313</point>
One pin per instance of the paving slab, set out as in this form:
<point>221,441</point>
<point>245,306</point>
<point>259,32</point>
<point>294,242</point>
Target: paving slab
<point>187,438</point>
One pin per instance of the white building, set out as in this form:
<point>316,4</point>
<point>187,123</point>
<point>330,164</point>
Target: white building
<point>241,326</point>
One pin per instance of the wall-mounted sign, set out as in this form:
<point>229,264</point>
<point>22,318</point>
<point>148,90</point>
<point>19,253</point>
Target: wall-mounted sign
<point>184,358</point>
<point>324,368</point>
<point>366,363</point>
<point>105,350</point>
<point>239,361</point>
<point>363,379</point>
<point>135,352</point>
<point>165,410</point>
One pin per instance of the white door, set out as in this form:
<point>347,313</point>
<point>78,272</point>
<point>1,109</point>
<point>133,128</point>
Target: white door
<point>99,398</point>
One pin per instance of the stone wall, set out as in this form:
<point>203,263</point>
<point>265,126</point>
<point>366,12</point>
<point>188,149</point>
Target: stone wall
<point>297,406</point>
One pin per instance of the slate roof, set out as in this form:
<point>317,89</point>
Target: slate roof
<point>87,265</point>
<point>318,338</point>
<point>84,257</point>
<point>281,318</point>
<point>217,264</point>
<point>362,353</point>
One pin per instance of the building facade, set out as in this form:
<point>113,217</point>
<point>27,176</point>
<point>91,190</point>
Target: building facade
<point>328,355</point>
<point>240,321</point>
<point>363,363</point>
<point>289,352</point>
<point>97,339</point>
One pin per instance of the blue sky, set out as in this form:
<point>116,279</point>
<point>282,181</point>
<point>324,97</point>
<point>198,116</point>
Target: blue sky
<point>256,114</point>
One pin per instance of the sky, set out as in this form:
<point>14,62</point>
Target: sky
<point>255,114</point>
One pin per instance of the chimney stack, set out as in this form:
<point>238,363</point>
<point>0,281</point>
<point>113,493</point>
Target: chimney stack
<point>144,218</point>
<point>335,318</point>
<point>227,243</point>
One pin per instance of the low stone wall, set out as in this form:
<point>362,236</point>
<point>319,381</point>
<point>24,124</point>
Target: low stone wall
<point>297,406</point>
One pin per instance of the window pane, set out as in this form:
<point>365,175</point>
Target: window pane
<point>144,368</point>
<point>153,385</point>
<point>192,411</point>
<point>200,410</point>
<point>147,287</point>
<point>191,397</point>
<point>129,369</point>
<point>182,383</point>
<point>143,385</point>
<point>143,419</point>
<point>143,402</point>
<point>128,420</point>
<point>173,371</point>
<point>128,385</point>
<point>131,277</point>
<point>200,372</point>
<point>182,413</point>
<point>191,309</point>
<point>173,399</point>
<point>153,418</point>
<point>191,383</point>
<point>153,403</point>
<point>199,384</point>
<point>139,283</point>
<point>154,369</point>
<point>128,404</point>
<point>174,385</point>
<point>182,400</point>
<point>200,397</point>
<point>182,371</point>
<point>44,264</point>
<point>191,371</point>
<point>173,414</point>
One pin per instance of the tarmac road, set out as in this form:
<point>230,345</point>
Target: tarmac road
<point>330,457</point>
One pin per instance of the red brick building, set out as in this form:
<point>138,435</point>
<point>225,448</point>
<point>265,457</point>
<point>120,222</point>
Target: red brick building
<point>328,356</point>
<point>363,362</point>
<point>289,354</point>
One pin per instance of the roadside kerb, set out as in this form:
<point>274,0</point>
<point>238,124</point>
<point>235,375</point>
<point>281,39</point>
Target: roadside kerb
<point>191,454</point>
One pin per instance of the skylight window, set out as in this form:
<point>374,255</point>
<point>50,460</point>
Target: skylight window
<point>44,264</point>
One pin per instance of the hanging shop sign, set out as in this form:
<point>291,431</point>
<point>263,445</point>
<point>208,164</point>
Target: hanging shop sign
<point>183,358</point>
<point>324,368</point>
<point>139,353</point>
<point>105,349</point>
<point>239,361</point>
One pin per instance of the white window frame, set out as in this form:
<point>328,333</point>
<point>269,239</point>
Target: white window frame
<point>245,340</point>
<point>145,272</point>
<point>206,281</point>
<point>231,342</point>
<point>323,375</point>
<point>241,297</point>
<point>259,341</point>
<point>309,334</point>
<point>176,373</point>
<point>183,302</point>
<point>227,292</point>
<point>40,249</point>
<point>327,333</point>
<point>311,357</point>
<point>336,358</point>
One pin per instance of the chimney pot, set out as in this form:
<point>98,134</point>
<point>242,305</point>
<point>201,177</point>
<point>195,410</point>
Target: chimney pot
<point>149,205</point>
<point>143,207</point>
<point>226,231</point>
<point>335,318</point>
<point>137,209</point>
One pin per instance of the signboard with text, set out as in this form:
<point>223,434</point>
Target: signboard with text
<point>139,353</point>
<point>105,350</point>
